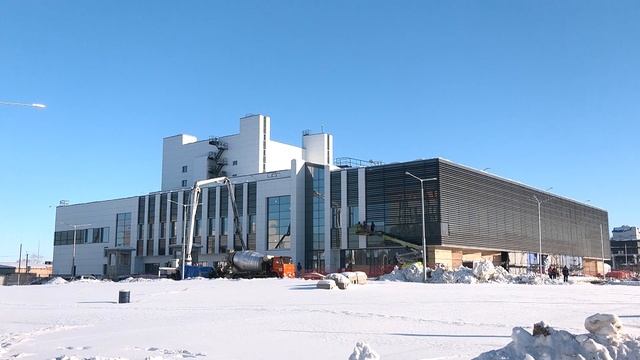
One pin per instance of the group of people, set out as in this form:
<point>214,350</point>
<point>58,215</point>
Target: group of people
<point>553,273</point>
<point>362,227</point>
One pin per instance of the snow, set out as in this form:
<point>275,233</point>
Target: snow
<point>292,319</point>
<point>482,272</point>
<point>362,351</point>
<point>605,341</point>
<point>56,281</point>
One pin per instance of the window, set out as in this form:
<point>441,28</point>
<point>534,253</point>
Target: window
<point>335,218</point>
<point>184,169</point>
<point>212,226</point>
<point>66,237</point>
<point>184,183</point>
<point>172,230</point>
<point>252,224</point>
<point>223,225</point>
<point>235,162</point>
<point>123,229</point>
<point>100,235</point>
<point>354,215</point>
<point>279,222</point>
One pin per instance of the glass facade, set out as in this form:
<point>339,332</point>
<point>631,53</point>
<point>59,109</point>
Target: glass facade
<point>251,213</point>
<point>336,205</point>
<point>279,222</point>
<point>211,216</point>
<point>224,210</point>
<point>66,237</point>
<point>394,205</point>
<point>140,227</point>
<point>162,242</point>
<point>239,197</point>
<point>123,229</point>
<point>314,217</point>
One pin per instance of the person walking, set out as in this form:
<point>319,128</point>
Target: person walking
<point>299,269</point>
<point>565,273</point>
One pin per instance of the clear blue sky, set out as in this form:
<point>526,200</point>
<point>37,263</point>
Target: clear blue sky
<point>543,92</point>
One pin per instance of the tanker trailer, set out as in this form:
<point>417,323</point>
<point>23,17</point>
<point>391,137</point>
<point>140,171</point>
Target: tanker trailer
<point>252,264</point>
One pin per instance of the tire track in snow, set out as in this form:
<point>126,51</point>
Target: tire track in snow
<point>9,340</point>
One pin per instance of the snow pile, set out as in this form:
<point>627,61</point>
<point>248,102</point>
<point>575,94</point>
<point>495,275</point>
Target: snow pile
<point>56,281</point>
<point>143,280</point>
<point>605,341</point>
<point>412,273</point>
<point>341,281</point>
<point>363,351</point>
<point>483,272</point>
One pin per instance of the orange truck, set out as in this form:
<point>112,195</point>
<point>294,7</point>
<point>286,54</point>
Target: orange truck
<point>252,264</point>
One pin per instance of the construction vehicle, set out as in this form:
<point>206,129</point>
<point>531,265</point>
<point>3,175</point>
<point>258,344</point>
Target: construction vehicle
<point>236,264</point>
<point>252,264</point>
<point>413,254</point>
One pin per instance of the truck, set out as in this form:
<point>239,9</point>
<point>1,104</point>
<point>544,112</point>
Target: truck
<point>236,264</point>
<point>252,264</point>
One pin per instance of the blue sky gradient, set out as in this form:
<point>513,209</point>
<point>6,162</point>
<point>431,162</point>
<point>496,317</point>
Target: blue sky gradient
<point>543,92</point>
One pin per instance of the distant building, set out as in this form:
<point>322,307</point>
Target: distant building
<point>7,269</point>
<point>625,246</point>
<point>625,233</point>
<point>296,201</point>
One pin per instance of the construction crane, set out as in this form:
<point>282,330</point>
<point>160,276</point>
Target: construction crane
<point>243,263</point>
<point>195,197</point>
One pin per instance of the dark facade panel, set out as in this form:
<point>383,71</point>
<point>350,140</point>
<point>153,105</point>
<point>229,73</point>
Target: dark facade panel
<point>394,204</point>
<point>482,211</point>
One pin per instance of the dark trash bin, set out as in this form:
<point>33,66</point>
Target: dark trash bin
<point>123,297</point>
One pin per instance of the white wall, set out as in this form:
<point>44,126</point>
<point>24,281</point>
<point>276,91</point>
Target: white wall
<point>318,148</point>
<point>245,148</point>
<point>181,150</point>
<point>90,257</point>
<point>279,155</point>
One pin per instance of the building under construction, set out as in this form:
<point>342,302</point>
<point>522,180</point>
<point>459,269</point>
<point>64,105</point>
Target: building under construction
<point>326,214</point>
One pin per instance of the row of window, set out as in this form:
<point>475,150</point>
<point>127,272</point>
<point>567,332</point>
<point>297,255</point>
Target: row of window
<point>83,236</point>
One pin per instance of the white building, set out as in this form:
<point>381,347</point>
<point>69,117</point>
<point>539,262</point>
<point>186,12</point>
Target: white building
<point>139,234</point>
<point>625,233</point>
<point>293,201</point>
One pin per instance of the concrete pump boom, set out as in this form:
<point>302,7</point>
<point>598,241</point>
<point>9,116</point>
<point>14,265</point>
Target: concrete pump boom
<point>195,196</point>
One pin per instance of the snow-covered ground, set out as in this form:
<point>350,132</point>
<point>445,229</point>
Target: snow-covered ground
<point>291,319</point>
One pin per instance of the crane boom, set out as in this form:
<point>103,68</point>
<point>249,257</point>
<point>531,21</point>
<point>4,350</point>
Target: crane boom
<point>195,196</point>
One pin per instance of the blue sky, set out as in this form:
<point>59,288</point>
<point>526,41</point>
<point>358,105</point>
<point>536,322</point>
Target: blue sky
<point>542,92</point>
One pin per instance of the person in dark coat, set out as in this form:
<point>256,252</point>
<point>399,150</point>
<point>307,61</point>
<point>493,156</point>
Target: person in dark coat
<point>565,273</point>
<point>299,269</point>
<point>373,227</point>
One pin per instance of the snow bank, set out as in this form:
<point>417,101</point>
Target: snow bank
<point>56,281</point>
<point>143,280</point>
<point>363,351</point>
<point>605,341</point>
<point>483,272</point>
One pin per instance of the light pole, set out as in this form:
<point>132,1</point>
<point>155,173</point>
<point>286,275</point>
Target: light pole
<point>540,228</point>
<point>604,273</point>
<point>424,234</point>
<point>73,258</point>
<point>40,106</point>
<point>184,232</point>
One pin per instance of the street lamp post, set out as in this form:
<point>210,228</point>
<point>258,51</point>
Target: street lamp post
<point>73,258</point>
<point>539,234</point>
<point>184,233</point>
<point>424,234</point>
<point>604,273</point>
<point>540,227</point>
